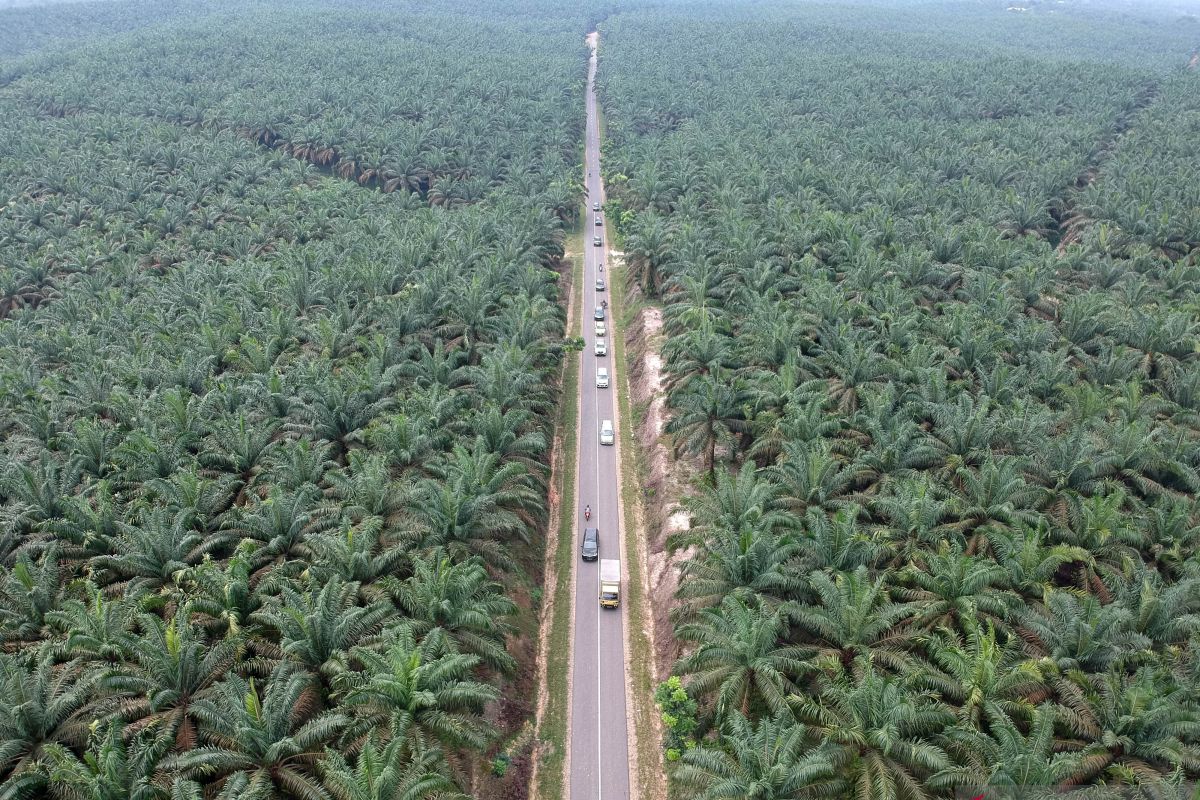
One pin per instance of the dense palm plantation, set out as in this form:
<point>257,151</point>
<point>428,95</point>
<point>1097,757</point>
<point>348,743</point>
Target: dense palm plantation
<point>929,290</point>
<point>276,358</point>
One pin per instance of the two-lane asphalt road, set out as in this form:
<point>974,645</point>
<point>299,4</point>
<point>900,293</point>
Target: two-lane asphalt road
<point>599,746</point>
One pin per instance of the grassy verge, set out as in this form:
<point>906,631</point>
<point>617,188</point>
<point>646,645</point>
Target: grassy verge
<point>553,733</point>
<point>641,678</point>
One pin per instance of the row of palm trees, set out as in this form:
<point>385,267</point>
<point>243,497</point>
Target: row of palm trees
<point>407,99</point>
<point>945,533</point>
<point>274,446</point>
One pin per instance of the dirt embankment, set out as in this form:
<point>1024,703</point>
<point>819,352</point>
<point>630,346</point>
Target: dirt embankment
<point>662,478</point>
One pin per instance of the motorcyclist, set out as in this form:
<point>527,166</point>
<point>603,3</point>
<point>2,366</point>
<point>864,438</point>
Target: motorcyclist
<point>587,512</point>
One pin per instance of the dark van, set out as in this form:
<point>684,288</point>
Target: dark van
<point>591,544</point>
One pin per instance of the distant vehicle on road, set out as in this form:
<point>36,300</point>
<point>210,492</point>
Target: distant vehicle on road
<point>599,222</point>
<point>590,550</point>
<point>601,347</point>
<point>597,241</point>
<point>602,378</point>
<point>599,314</point>
<point>610,583</point>
<point>607,435</point>
<point>595,205</point>
<point>601,330</point>
<point>600,285</point>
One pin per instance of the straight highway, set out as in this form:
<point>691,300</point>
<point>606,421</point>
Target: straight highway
<point>599,747</point>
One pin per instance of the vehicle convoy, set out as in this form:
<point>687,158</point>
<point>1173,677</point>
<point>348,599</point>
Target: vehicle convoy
<point>610,583</point>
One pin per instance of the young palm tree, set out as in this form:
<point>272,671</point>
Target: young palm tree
<point>97,629</point>
<point>29,593</point>
<point>1144,731</point>
<point>150,555</point>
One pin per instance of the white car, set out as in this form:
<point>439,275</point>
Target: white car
<point>602,377</point>
<point>595,205</point>
<point>606,432</point>
<point>599,221</point>
<point>601,330</point>
<point>601,347</point>
<point>600,285</point>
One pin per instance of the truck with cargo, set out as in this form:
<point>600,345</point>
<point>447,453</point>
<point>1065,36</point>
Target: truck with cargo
<point>610,582</point>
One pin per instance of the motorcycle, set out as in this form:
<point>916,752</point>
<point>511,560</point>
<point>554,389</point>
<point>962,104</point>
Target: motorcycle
<point>587,512</point>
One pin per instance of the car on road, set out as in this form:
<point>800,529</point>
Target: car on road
<point>601,347</point>
<point>600,285</point>
<point>599,222</point>
<point>601,330</point>
<point>597,241</point>
<point>590,549</point>
<point>599,314</point>
<point>606,432</point>
<point>602,377</point>
<point>595,205</point>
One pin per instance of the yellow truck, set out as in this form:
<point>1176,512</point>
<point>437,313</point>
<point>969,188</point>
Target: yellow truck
<point>610,583</point>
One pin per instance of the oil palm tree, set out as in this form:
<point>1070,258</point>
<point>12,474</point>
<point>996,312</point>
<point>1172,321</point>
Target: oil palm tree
<point>420,693</point>
<point>111,768</point>
<point>855,621</point>
<point>272,740</point>
<point>881,739</point>
<point>383,771</point>
<point>315,629</point>
<point>986,678</point>
<point>742,660</point>
<point>772,759</point>
<point>460,599</point>
<point>43,704</point>
<point>174,666</point>
<point>710,415</point>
